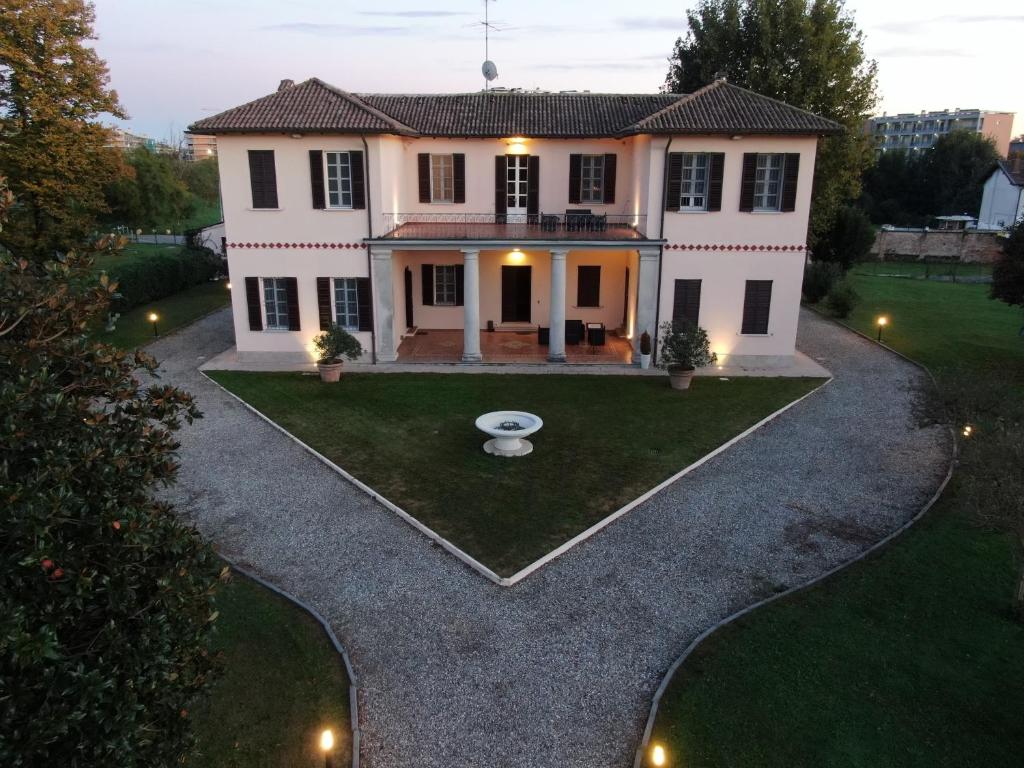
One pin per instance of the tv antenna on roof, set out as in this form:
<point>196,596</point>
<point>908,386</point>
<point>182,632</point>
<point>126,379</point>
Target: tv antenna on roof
<point>488,68</point>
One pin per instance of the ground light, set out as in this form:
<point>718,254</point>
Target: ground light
<point>153,317</point>
<point>327,746</point>
<point>227,285</point>
<point>968,430</point>
<point>658,755</point>
<point>881,322</point>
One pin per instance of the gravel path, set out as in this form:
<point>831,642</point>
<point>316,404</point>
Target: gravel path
<point>560,669</point>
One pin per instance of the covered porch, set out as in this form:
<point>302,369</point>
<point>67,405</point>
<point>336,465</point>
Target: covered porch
<point>584,302</point>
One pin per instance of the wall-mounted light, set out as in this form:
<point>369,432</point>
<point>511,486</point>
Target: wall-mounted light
<point>516,145</point>
<point>296,135</point>
<point>516,254</point>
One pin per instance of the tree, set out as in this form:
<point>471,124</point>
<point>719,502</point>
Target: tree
<point>203,179</point>
<point>52,89</point>
<point>1008,271</point>
<point>953,172</point>
<point>892,190</point>
<point>105,595</point>
<point>848,240</point>
<point>151,195</point>
<point>808,53</point>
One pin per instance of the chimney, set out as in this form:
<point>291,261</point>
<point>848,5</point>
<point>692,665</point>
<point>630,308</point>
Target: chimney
<point>285,84</point>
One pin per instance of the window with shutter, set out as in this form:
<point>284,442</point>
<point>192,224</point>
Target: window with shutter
<point>346,303</point>
<point>768,182</point>
<point>263,178</point>
<point>757,303</point>
<point>686,301</point>
<point>445,285</point>
<point>275,303</point>
<point>339,179</point>
<point>592,178</point>
<point>588,286</point>
<point>442,178</point>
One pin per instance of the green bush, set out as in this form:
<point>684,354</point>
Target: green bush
<point>842,299</point>
<point>848,239</point>
<point>140,281</point>
<point>335,343</point>
<point>105,594</point>
<point>819,277</point>
<point>684,346</point>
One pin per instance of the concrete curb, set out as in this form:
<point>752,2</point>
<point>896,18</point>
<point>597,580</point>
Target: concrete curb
<point>641,749</point>
<point>469,560</point>
<point>353,690</point>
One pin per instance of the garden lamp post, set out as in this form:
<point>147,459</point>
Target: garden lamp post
<point>658,756</point>
<point>881,322</point>
<point>153,318</point>
<point>327,746</point>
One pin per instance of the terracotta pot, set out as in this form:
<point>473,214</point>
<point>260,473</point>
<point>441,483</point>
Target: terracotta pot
<point>680,378</point>
<point>329,372</point>
<point>645,361</point>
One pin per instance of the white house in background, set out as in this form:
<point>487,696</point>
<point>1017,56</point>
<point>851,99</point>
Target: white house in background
<point>392,214</point>
<point>1002,201</point>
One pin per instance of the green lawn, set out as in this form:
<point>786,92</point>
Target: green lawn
<point>134,328</point>
<point>282,684</point>
<point>605,441</point>
<point>910,658</point>
<point>109,262</point>
<point>916,269</point>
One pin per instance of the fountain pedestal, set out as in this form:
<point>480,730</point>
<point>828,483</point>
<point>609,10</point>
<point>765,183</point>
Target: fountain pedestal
<point>508,430</point>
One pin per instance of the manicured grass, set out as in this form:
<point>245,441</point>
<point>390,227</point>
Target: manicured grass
<point>605,441</point>
<point>134,328</point>
<point>109,262</point>
<point>910,658</point>
<point>282,684</point>
<point>916,269</point>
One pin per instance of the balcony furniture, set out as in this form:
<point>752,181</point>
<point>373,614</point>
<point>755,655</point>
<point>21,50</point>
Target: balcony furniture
<point>548,222</point>
<point>543,336</point>
<point>574,331</point>
<point>577,220</point>
<point>595,334</point>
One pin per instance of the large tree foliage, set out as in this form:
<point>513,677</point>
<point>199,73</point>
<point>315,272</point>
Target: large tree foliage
<point>151,194</point>
<point>808,53</point>
<point>52,89</point>
<point>948,178</point>
<point>203,179</point>
<point>105,595</point>
<point>1008,271</point>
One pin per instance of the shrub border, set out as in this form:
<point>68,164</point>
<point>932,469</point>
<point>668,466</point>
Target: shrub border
<point>638,760</point>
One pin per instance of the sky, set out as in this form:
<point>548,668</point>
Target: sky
<point>173,62</point>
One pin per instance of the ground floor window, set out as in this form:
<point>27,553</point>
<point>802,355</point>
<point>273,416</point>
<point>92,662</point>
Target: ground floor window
<point>686,301</point>
<point>588,287</point>
<point>346,303</point>
<point>757,302</point>
<point>275,302</point>
<point>445,285</point>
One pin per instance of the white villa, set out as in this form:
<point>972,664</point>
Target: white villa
<point>576,221</point>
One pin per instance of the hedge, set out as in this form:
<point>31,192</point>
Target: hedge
<point>140,281</point>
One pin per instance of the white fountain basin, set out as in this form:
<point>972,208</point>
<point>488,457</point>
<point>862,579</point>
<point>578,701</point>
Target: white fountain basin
<point>508,430</point>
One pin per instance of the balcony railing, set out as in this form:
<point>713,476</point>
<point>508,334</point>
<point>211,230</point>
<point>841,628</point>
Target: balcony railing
<point>571,225</point>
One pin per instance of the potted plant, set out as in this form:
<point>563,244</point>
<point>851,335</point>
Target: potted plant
<point>684,347</point>
<point>645,350</point>
<point>331,346</point>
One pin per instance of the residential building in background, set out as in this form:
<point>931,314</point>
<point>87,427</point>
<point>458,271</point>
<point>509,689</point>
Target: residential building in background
<point>126,140</point>
<point>553,217</point>
<point>1017,146</point>
<point>1002,201</point>
<point>914,131</point>
<point>199,146</point>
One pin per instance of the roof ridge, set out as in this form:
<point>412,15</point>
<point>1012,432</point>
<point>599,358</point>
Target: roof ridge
<point>359,103</point>
<point>686,98</point>
<point>783,103</point>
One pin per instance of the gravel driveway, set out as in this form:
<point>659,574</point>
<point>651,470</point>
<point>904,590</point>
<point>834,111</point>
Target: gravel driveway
<point>560,669</point>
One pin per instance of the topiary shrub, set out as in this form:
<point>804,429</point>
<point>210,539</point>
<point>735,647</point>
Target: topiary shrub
<point>842,299</point>
<point>819,277</point>
<point>335,343</point>
<point>105,594</point>
<point>684,346</point>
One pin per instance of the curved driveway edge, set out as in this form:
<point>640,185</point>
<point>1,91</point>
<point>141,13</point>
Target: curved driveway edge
<point>559,670</point>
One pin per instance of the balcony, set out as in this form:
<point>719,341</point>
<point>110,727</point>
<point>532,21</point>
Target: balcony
<point>570,226</point>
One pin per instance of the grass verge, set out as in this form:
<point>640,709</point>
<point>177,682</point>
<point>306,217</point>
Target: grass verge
<point>605,441</point>
<point>909,658</point>
<point>283,682</point>
<point>134,328</point>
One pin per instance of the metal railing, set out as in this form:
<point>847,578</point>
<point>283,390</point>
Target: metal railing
<point>572,224</point>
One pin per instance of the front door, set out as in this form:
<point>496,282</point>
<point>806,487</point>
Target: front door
<point>516,202</point>
<point>515,294</point>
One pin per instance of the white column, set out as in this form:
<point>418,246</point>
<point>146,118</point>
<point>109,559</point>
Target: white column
<point>556,342</point>
<point>647,297</point>
<point>471,306</point>
<point>383,305</point>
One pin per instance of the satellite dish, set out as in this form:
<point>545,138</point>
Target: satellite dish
<point>489,70</point>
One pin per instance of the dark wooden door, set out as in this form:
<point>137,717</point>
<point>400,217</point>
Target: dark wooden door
<point>408,298</point>
<point>515,294</point>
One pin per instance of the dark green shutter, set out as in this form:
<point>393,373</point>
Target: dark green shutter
<point>500,185</point>
<point>575,178</point>
<point>747,182</point>
<point>686,301</point>
<point>423,171</point>
<point>459,174</point>
<point>588,286</point>
<point>263,178</point>
<point>460,285</point>
<point>364,304</point>
<point>609,178</point>
<point>790,173</point>
<point>355,160</point>
<point>673,181</point>
<point>291,287</point>
<point>533,185</point>
<point>716,172</point>
<point>316,178</point>
<point>427,274</point>
<point>757,302</point>
<point>323,302</point>
<point>252,301</point>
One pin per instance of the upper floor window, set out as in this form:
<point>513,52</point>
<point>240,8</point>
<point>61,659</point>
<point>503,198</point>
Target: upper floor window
<point>592,179</point>
<point>275,302</point>
<point>339,179</point>
<point>768,182</point>
<point>263,178</point>
<point>445,285</point>
<point>693,186</point>
<point>442,179</point>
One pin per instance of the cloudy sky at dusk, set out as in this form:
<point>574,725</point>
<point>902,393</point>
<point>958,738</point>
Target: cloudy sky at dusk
<point>174,62</point>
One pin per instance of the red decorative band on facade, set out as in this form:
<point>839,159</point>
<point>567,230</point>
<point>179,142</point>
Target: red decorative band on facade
<point>731,247</point>
<point>355,246</point>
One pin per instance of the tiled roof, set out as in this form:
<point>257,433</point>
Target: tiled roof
<point>1014,170</point>
<point>316,106</point>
